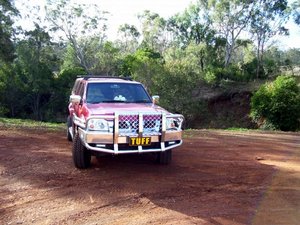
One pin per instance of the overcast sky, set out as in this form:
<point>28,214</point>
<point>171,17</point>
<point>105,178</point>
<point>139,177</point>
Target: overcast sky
<point>125,11</point>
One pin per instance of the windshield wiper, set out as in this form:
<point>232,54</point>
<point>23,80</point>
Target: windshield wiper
<point>112,101</point>
<point>142,101</point>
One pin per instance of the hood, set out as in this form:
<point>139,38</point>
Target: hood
<point>110,108</point>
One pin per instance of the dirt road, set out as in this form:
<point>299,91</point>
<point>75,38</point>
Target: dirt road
<point>216,177</point>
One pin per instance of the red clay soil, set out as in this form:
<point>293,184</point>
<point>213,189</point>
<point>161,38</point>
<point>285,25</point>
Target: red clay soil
<point>215,177</point>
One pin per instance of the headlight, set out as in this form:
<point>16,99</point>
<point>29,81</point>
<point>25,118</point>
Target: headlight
<point>98,124</point>
<point>174,123</point>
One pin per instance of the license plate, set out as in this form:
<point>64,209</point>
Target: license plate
<point>136,141</point>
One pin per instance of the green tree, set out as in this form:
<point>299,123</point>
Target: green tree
<point>146,65</point>
<point>292,54</point>
<point>92,46</point>
<point>267,21</point>
<point>278,103</point>
<point>193,25</point>
<point>289,60</point>
<point>129,35</point>
<point>273,61</point>
<point>107,59</point>
<point>63,84</point>
<point>7,12</point>
<point>177,85</point>
<point>32,65</point>
<point>296,12</point>
<point>76,21</point>
<point>154,32</point>
<point>231,19</point>
<point>11,91</point>
<point>190,28</point>
<point>196,57</point>
<point>126,66</point>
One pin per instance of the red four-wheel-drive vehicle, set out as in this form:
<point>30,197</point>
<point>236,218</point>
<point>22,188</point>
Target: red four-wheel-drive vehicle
<point>114,115</point>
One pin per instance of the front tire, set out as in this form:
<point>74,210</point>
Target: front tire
<point>164,158</point>
<point>81,156</point>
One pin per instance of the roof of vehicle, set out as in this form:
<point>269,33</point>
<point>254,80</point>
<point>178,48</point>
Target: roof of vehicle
<point>95,79</point>
<point>102,78</point>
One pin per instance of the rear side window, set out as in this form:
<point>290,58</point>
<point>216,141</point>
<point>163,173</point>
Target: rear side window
<point>75,86</point>
<point>80,89</point>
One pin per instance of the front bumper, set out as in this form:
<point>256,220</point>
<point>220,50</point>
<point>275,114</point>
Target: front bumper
<point>118,142</point>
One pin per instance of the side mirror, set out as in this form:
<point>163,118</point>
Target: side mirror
<point>75,99</point>
<point>155,99</point>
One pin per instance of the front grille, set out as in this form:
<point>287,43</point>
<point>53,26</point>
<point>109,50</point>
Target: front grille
<point>129,124</point>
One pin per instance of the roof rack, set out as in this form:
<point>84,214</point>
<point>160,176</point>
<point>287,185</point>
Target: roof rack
<point>86,77</point>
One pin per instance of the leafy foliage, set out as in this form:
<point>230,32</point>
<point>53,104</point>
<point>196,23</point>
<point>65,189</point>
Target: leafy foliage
<point>231,19</point>
<point>296,12</point>
<point>7,11</point>
<point>108,60</point>
<point>11,92</point>
<point>175,58</point>
<point>268,20</point>
<point>191,27</point>
<point>58,103</point>
<point>74,21</point>
<point>146,65</point>
<point>238,73</point>
<point>176,85</point>
<point>153,30</point>
<point>278,103</point>
<point>129,35</point>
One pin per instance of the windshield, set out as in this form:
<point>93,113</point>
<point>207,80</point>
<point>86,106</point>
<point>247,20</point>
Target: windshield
<point>116,92</point>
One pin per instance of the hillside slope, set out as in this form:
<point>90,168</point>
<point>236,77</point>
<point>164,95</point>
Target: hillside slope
<point>227,106</point>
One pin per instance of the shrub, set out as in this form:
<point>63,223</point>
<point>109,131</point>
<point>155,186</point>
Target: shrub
<point>271,67</point>
<point>177,86</point>
<point>238,73</point>
<point>60,94</point>
<point>278,103</point>
<point>210,78</point>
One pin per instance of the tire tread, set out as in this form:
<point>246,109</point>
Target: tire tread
<point>81,156</point>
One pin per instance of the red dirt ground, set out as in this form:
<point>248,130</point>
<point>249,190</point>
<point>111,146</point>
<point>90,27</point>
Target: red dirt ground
<point>216,177</point>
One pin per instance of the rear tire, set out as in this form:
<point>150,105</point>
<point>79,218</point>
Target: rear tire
<point>81,156</point>
<point>69,124</point>
<point>164,158</point>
